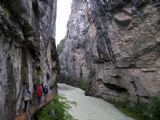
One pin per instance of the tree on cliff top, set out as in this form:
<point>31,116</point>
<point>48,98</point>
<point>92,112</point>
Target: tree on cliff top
<point>60,46</point>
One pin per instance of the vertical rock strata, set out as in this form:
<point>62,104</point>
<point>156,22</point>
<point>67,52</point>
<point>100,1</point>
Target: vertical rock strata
<point>114,48</point>
<point>27,50</point>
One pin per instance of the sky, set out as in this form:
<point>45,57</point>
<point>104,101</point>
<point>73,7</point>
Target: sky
<point>63,12</point>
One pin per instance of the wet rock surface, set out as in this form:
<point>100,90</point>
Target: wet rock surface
<point>114,49</point>
<point>27,50</point>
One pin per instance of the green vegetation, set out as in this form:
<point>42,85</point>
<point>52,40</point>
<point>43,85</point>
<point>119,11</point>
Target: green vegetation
<point>60,46</point>
<point>57,109</point>
<point>136,111</point>
<point>83,84</point>
<point>154,109</point>
<point>141,111</point>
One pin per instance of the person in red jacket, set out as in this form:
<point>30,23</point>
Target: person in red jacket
<point>39,93</point>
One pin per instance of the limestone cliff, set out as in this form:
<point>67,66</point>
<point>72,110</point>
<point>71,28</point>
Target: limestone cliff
<point>27,50</point>
<point>114,48</point>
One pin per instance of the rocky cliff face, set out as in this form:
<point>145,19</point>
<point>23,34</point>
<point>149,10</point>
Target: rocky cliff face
<point>114,48</point>
<point>27,50</point>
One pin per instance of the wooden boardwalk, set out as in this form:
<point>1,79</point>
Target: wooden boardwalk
<point>35,107</point>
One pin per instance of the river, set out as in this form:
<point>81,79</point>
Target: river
<point>90,108</point>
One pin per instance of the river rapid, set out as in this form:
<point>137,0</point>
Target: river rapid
<point>90,108</point>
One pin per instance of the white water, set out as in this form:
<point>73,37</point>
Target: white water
<point>90,108</point>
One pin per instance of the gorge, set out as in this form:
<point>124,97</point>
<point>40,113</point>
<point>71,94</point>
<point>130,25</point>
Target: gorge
<point>111,49</point>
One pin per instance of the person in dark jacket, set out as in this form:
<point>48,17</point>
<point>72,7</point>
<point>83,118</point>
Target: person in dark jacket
<point>45,91</point>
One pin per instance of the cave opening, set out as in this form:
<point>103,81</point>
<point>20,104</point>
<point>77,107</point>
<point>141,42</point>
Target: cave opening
<point>63,13</point>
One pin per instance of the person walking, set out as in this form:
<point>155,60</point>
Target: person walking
<point>45,91</point>
<point>27,102</point>
<point>27,98</point>
<point>39,93</point>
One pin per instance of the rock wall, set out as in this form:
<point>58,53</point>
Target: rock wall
<point>113,48</point>
<point>27,50</point>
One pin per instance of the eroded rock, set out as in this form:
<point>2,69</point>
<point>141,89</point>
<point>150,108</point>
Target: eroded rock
<point>120,63</point>
<point>27,50</point>
<point>123,19</point>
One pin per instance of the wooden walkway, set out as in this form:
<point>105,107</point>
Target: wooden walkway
<point>36,107</point>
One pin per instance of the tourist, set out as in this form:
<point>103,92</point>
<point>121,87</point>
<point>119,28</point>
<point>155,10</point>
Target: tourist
<point>27,97</point>
<point>39,93</point>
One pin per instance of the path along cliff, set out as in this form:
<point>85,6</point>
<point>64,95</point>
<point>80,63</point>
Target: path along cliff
<point>112,48</point>
<point>27,51</point>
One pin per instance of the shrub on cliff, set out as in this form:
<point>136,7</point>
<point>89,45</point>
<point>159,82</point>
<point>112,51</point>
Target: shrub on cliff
<point>83,84</point>
<point>154,109</point>
<point>60,46</point>
<point>141,111</point>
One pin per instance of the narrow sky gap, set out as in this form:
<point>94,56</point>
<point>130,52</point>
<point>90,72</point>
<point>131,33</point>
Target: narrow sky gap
<point>63,12</point>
